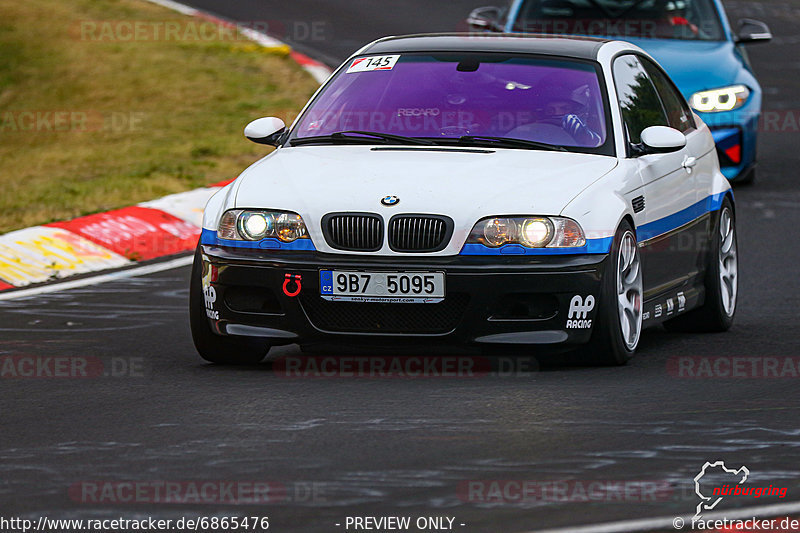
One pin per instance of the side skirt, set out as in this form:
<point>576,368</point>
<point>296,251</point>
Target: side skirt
<point>671,304</point>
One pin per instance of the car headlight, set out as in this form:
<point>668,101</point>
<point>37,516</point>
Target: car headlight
<point>254,225</point>
<point>531,232</point>
<point>723,99</point>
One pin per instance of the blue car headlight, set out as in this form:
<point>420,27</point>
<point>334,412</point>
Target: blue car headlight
<point>722,99</point>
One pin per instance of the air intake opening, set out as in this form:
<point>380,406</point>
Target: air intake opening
<point>252,300</point>
<point>419,233</point>
<point>358,232</point>
<point>524,306</point>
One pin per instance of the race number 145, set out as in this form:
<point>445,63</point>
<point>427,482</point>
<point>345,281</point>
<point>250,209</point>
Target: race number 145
<point>367,64</point>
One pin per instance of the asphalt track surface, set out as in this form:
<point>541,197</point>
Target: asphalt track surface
<point>375,447</point>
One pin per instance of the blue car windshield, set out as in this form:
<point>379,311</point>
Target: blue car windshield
<point>456,97</point>
<point>647,19</point>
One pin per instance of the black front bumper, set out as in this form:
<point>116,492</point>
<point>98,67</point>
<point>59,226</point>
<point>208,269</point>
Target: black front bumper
<point>490,300</point>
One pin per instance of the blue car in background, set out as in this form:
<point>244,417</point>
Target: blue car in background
<point>693,41</point>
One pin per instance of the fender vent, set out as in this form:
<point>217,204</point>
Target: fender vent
<point>638,204</point>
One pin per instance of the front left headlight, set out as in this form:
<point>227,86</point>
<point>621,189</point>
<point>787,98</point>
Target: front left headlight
<point>531,232</point>
<point>256,224</point>
<point>722,99</point>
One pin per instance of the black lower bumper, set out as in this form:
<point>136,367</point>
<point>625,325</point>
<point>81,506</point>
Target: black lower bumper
<point>490,300</point>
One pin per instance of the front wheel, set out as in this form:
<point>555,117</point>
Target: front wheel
<point>212,347</point>
<point>721,281</point>
<point>619,315</point>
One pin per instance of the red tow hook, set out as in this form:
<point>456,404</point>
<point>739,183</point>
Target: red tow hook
<point>297,278</point>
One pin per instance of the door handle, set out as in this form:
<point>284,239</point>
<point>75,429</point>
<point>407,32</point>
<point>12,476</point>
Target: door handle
<point>689,163</point>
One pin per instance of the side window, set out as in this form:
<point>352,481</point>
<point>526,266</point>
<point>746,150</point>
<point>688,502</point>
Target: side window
<point>677,110</point>
<point>640,104</point>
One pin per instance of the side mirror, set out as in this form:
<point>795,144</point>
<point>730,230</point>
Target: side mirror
<point>484,18</point>
<point>662,140</point>
<point>753,31</point>
<point>265,130</point>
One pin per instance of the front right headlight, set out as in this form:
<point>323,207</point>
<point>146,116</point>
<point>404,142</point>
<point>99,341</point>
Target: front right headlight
<point>723,99</point>
<point>257,224</point>
<point>531,232</point>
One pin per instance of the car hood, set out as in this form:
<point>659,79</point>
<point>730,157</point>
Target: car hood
<point>465,185</point>
<point>695,65</point>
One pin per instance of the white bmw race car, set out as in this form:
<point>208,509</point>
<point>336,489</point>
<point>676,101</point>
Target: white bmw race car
<point>485,191</point>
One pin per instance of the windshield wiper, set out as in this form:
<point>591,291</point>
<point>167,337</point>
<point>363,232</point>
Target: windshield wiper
<point>509,142</point>
<point>360,137</point>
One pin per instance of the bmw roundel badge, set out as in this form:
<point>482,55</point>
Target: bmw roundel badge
<point>389,201</point>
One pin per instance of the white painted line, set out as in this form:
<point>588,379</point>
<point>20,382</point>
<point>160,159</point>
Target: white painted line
<point>667,523</point>
<point>261,38</point>
<point>320,73</point>
<point>102,278</point>
<point>180,8</point>
<point>188,205</point>
<point>317,70</point>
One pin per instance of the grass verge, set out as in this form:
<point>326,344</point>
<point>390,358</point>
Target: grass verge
<point>106,103</point>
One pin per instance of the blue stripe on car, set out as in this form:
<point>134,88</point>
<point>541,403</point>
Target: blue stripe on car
<point>209,237</point>
<point>676,220</point>
<point>602,246</point>
<point>592,246</point>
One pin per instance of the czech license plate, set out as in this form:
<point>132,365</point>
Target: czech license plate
<point>384,287</point>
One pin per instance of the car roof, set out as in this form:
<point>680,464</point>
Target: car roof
<point>578,47</point>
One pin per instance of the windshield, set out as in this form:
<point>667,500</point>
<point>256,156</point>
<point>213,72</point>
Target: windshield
<point>650,19</point>
<point>456,97</point>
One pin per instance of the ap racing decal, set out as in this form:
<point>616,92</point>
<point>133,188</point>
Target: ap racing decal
<point>368,64</point>
<point>579,310</point>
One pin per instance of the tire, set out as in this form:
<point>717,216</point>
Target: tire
<point>618,324</point>
<point>746,179</point>
<point>721,281</point>
<point>212,347</point>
